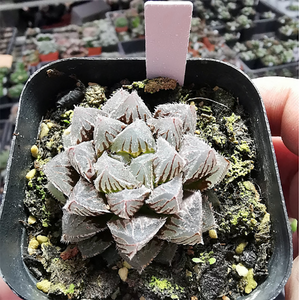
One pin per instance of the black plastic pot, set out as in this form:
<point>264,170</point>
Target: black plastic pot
<point>133,46</point>
<point>247,33</point>
<point>263,26</point>
<point>39,95</point>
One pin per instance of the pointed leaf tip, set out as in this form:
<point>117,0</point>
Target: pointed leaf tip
<point>132,235</point>
<point>60,173</point>
<point>167,197</point>
<point>127,202</point>
<point>85,200</point>
<point>135,139</point>
<point>113,176</point>
<point>167,162</point>
<point>186,227</point>
<point>132,109</point>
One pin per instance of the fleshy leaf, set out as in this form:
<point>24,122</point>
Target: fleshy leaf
<point>85,200</point>
<point>145,256</point>
<point>112,175</point>
<point>132,235</point>
<point>83,123</point>
<point>187,113</point>
<point>94,245</point>
<point>186,227</point>
<point>204,165</point>
<point>124,158</point>
<point>132,109</point>
<point>142,168</point>
<point>208,220</point>
<point>169,128</point>
<point>106,129</point>
<point>55,193</point>
<point>135,139</point>
<point>67,138</point>
<point>115,100</point>
<point>127,202</point>
<point>219,171</point>
<point>77,228</point>
<point>167,253</point>
<point>167,162</point>
<point>167,197</point>
<point>82,157</point>
<point>60,173</point>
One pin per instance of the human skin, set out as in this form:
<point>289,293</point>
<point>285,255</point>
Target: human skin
<point>281,99</point>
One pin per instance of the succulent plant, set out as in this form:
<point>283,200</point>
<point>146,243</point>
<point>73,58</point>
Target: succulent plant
<point>239,47</point>
<point>46,47</point>
<point>249,2</point>
<point>233,26</point>
<point>260,52</point>
<point>15,90</point>
<point>248,11</point>
<point>289,30</point>
<point>271,60</point>
<point>287,56</point>
<point>121,22</point>
<point>134,178</point>
<point>244,21</point>
<point>268,15</point>
<point>247,56</point>
<point>224,13</point>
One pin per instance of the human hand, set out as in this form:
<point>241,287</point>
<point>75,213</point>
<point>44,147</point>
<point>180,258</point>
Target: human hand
<point>6,293</point>
<point>281,99</point>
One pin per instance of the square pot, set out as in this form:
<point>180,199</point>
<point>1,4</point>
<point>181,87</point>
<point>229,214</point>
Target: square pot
<point>202,72</point>
<point>49,57</point>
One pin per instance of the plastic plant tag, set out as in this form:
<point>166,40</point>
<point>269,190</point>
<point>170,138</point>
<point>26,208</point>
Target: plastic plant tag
<point>167,29</point>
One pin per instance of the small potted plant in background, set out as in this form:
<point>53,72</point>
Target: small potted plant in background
<point>249,58</point>
<point>231,38</point>
<point>270,60</point>
<point>41,37</point>
<point>233,26</point>
<point>48,50</point>
<point>234,8</point>
<point>121,24</point>
<point>224,14</point>
<point>74,48</point>
<point>289,31</point>
<point>14,91</point>
<point>247,27</point>
<point>252,3</point>
<point>239,47</point>
<point>20,74</point>
<point>269,15</point>
<point>249,12</point>
<point>93,45</point>
<point>30,57</point>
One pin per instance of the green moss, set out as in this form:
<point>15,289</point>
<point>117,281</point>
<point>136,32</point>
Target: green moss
<point>238,168</point>
<point>209,130</point>
<point>243,147</point>
<point>230,122</point>
<point>165,287</point>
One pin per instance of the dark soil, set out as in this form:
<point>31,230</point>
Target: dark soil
<point>210,271</point>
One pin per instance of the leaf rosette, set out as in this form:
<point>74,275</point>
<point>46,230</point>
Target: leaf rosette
<point>134,178</point>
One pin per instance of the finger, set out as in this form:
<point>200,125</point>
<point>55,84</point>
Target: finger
<point>6,293</point>
<point>281,99</point>
<point>288,170</point>
<point>292,286</point>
